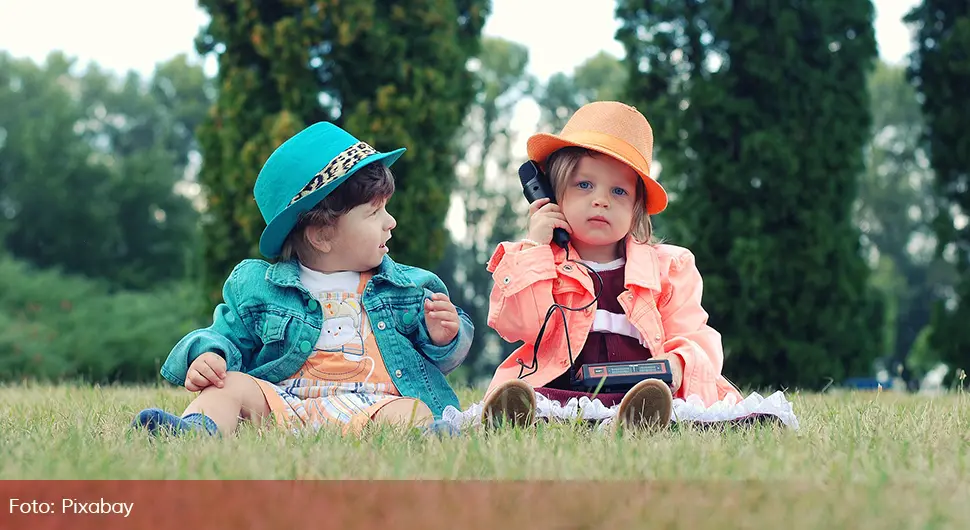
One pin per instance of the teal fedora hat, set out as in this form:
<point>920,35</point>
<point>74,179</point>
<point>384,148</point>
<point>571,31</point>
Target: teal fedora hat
<point>302,171</point>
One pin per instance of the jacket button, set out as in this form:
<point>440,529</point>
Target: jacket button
<point>305,347</point>
<point>398,373</point>
<point>506,280</point>
<point>656,337</point>
<point>312,304</point>
<point>568,267</point>
<point>381,325</point>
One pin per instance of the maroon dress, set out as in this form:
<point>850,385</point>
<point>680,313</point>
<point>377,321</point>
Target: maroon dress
<point>600,347</point>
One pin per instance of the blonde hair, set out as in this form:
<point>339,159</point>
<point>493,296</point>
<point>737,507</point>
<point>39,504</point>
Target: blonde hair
<point>562,164</point>
<point>370,184</point>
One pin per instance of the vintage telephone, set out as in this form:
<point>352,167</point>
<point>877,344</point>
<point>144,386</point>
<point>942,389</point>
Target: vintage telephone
<point>535,186</point>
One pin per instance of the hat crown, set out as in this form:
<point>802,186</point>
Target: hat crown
<point>615,119</point>
<point>295,163</point>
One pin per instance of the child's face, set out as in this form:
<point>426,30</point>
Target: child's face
<point>598,201</point>
<point>359,240</point>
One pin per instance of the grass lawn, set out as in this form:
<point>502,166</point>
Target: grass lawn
<point>859,459</point>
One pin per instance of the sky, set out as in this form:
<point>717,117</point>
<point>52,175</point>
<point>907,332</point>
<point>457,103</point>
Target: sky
<point>136,34</point>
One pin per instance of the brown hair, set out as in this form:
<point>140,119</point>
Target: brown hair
<point>370,184</point>
<point>562,163</point>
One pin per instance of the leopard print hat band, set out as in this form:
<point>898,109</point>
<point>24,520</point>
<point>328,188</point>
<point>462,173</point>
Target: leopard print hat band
<point>338,167</point>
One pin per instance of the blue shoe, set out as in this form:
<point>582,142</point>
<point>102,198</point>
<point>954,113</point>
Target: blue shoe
<point>441,429</point>
<point>158,421</point>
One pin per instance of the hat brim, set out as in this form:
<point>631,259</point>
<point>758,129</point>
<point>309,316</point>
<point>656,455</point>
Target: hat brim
<point>540,146</point>
<point>276,232</point>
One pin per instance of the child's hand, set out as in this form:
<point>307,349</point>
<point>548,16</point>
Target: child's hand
<point>676,374</point>
<point>544,217</point>
<point>441,318</point>
<point>207,369</point>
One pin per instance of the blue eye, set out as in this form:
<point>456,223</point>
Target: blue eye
<point>584,185</point>
<point>620,191</point>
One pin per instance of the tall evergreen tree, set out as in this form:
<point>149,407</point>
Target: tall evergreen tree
<point>760,114</point>
<point>391,75</point>
<point>940,70</point>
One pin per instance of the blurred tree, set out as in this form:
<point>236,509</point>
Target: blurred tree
<point>895,210</point>
<point>88,167</point>
<point>486,191</point>
<point>602,77</point>
<point>392,75</point>
<point>940,71</point>
<point>760,113</point>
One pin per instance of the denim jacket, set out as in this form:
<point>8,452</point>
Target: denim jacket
<point>268,324</point>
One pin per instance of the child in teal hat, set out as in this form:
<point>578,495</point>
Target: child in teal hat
<point>333,332</point>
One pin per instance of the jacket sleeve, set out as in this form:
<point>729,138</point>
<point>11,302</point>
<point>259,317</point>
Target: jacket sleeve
<point>689,340</point>
<point>449,356</point>
<point>231,334</point>
<point>522,280</point>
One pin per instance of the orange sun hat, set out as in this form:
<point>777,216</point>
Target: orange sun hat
<point>614,129</point>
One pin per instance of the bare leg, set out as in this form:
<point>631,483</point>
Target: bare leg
<point>240,396</point>
<point>408,412</point>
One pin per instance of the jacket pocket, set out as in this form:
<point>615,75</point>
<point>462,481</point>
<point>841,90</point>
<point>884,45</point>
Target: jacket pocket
<point>652,330</point>
<point>567,284</point>
<point>407,311</point>
<point>273,328</point>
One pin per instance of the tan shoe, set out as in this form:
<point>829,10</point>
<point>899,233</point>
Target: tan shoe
<point>647,405</point>
<point>513,401</point>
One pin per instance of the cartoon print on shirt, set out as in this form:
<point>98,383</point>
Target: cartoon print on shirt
<point>345,328</point>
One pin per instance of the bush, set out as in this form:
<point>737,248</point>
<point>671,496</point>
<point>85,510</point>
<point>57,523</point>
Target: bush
<point>57,327</point>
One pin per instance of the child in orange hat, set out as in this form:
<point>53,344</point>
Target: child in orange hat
<point>623,297</point>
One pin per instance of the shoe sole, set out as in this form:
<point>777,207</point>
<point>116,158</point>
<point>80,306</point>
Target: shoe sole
<point>648,404</point>
<point>515,401</point>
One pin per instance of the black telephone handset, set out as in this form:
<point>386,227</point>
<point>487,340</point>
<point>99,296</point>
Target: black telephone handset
<point>535,186</point>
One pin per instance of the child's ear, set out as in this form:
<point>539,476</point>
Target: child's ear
<point>319,238</point>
